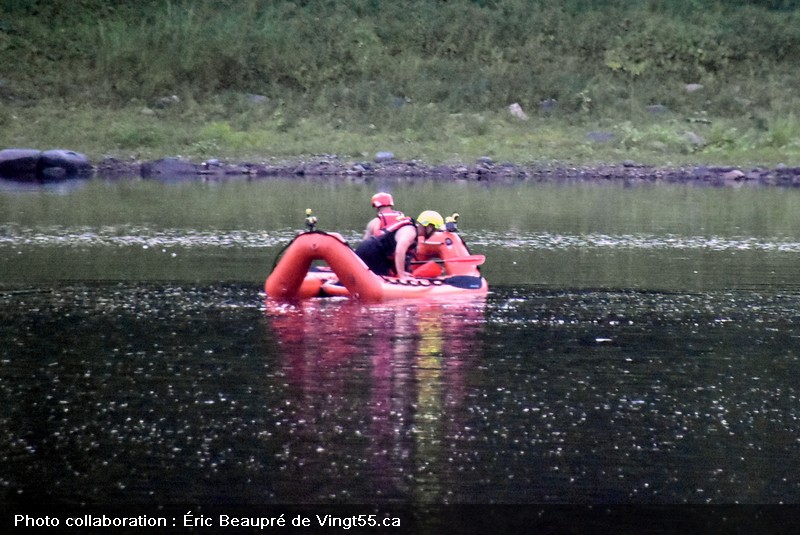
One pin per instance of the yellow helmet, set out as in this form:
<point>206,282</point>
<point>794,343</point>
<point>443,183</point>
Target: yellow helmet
<point>429,217</point>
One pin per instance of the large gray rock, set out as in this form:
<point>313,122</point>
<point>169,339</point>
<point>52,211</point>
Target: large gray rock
<point>170,168</point>
<point>60,163</point>
<point>19,163</point>
<point>384,156</point>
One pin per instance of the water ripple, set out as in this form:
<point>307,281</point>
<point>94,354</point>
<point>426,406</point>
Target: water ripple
<point>631,241</point>
<point>133,236</point>
<point>142,236</point>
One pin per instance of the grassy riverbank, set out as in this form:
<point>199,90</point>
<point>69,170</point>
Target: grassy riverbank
<point>425,80</point>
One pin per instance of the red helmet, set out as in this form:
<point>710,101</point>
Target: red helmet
<point>382,199</point>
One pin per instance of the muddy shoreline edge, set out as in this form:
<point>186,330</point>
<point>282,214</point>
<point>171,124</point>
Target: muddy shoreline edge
<point>35,166</point>
<point>483,170</point>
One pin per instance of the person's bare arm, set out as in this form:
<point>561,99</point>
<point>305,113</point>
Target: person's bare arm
<point>371,227</point>
<point>404,238</point>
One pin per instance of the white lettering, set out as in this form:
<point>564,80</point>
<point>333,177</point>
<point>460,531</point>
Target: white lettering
<point>301,521</point>
<point>189,521</point>
<point>35,522</point>
<point>254,522</point>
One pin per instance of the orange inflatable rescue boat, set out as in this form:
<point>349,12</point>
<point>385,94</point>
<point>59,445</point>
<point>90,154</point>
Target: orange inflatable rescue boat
<point>444,267</point>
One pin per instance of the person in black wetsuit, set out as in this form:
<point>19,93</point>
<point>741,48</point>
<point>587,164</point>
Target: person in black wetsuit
<point>387,254</point>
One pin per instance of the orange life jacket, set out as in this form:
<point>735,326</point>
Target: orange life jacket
<point>389,220</point>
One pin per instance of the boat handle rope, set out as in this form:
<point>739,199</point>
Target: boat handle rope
<point>283,249</point>
<point>417,281</point>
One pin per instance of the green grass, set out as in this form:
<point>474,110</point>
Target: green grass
<point>427,133</point>
<point>424,79</point>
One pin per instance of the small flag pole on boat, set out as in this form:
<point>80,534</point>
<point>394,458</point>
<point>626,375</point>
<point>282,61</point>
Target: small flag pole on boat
<point>311,220</point>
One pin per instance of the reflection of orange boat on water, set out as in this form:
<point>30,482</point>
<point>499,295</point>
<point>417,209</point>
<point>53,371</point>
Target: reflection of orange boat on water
<point>444,255</point>
<point>375,396</point>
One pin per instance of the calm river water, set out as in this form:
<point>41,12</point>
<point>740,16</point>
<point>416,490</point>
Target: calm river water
<point>639,346</point>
